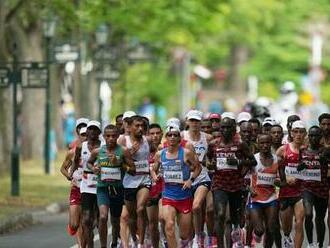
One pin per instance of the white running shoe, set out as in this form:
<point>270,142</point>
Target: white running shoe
<point>287,242</point>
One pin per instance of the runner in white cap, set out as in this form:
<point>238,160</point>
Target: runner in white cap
<point>202,183</point>
<point>176,164</point>
<point>290,194</point>
<point>136,188</point>
<point>74,177</point>
<point>80,123</point>
<point>88,182</point>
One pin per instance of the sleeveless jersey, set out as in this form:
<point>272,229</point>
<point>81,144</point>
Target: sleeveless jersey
<point>263,178</point>
<point>227,177</point>
<point>110,174</point>
<point>200,147</point>
<point>140,158</point>
<point>291,161</point>
<point>89,179</point>
<point>175,172</point>
<point>314,176</point>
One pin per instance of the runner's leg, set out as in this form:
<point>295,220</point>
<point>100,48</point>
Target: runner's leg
<point>142,198</point>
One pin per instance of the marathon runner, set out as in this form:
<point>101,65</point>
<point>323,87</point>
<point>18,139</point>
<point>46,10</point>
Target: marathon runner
<point>276,132</point>
<point>176,164</point>
<point>215,119</point>
<point>292,118</point>
<point>109,162</point>
<point>202,183</point>
<point>155,134</point>
<point>136,188</point>
<point>74,177</point>
<point>88,183</point>
<point>291,189</point>
<point>315,195</point>
<point>256,129</point>
<point>231,159</point>
<point>264,206</point>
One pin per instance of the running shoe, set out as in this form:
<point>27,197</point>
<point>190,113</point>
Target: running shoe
<point>287,242</point>
<point>212,242</point>
<point>70,230</point>
<point>313,245</point>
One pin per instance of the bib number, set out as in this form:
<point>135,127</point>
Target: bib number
<point>173,177</point>
<point>223,165</point>
<point>311,175</point>
<point>110,174</point>
<point>265,179</point>
<point>292,172</point>
<point>91,180</point>
<point>142,167</point>
<point>77,177</point>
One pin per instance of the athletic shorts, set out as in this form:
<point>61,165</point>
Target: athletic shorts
<point>153,201</point>
<point>288,202</point>
<point>89,202</point>
<point>113,197</point>
<point>130,193</point>
<point>182,206</point>
<point>75,197</point>
<point>259,205</point>
<point>206,184</point>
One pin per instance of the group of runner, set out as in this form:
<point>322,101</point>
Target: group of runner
<point>240,177</point>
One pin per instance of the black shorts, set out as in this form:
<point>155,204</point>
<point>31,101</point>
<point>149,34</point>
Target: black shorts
<point>130,193</point>
<point>288,202</point>
<point>89,202</point>
<point>154,201</point>
<point>206,184</point>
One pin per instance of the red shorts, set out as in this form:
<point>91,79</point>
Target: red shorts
<point>182,206</point>
<point>75,198</point>
<point>157,189</point>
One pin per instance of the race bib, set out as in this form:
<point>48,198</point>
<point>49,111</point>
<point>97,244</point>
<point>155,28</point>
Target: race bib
<point>265,179</point>
<point>173,177</point>
<point>91,180</point>
<point>110,174</point>
<point>311,175</point>
<point>223,165</point>
<point>77,177</point>
<point>292,172</point>
<point>142,167</point>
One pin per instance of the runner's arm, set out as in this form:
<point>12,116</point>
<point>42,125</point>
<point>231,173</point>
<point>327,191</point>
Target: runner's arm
<point>76,160</point>
<point>193,162</point>
<point>66,165</point>
<point>155,167</point>
<point>128,164</point>
<point>248,159</point>
<point>281,165</point>
<point>91,161</point>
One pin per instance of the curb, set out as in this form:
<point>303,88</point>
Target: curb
<point>28,218</point>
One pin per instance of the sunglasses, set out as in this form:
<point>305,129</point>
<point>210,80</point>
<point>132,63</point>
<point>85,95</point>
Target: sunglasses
<point>173,135</point>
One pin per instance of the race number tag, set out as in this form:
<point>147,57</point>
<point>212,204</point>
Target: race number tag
<point>91,180</point>
<point>110,174</point>
<point>223,165</point>
<point>265,179</point>
<point>77,177</point>
<point>173,177</point>
<point>292,172</point>
<point>311,175</point>
<point>142,167</point>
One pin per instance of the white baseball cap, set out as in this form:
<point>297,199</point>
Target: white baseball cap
<point>83,130</point>
<point>229,115</point>
<point>82,121</point>
<point>173,128</point>
<point>173,121</point>
<point>194,115</point>
<point>298,124</point>
<point>128,114</point>
<point>269,121</point>
<point>243,116</point>
<point>94,124</point>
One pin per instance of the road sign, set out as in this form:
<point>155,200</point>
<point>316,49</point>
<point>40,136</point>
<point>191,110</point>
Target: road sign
<point>34,76</point>
<point>65,53</point>
<point>106,53</point>
<point>4,76</point>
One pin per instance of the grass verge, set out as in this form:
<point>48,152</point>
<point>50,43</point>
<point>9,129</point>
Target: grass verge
<point>36,188</point>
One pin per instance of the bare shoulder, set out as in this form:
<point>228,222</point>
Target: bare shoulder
<point>121,141</point>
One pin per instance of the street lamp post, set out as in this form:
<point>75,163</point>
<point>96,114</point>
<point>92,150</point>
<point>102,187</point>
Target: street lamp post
<point>101,36</point>
<point>49,30</point>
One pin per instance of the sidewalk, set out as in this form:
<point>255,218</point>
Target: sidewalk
<point>40,194</point>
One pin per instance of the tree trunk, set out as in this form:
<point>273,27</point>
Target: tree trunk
<point>238,58</point>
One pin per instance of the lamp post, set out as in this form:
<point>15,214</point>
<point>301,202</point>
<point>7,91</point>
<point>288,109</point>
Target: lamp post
<point>101,36</point>
<point>49,26</point>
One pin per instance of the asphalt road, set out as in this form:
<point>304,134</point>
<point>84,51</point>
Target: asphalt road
<point>51,233</point>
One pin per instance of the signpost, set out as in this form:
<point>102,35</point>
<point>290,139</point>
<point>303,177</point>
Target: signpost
<point>28,75</point>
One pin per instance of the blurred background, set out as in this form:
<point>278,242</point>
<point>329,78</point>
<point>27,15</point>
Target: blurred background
<point>61,60</point>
